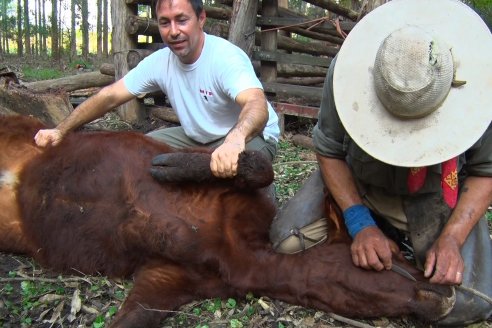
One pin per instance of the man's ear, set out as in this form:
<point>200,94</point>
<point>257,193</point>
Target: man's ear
<point>201,18</point>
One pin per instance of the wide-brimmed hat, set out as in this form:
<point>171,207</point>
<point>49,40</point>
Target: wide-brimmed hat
<point>413,81</point>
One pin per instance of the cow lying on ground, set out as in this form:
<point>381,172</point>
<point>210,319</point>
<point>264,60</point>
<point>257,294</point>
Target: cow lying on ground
<point>91,205</point>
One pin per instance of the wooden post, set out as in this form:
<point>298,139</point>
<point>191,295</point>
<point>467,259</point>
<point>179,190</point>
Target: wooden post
<point>283,4</point>
<point>243,23</point>
<point>132,111</point>
<point>268,70</point>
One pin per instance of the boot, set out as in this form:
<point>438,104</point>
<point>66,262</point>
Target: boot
<point>477,254</point>
<point>426,216</point>
<point>299,224</point>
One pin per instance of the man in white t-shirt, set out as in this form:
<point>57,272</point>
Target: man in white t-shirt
<point>210,83</point>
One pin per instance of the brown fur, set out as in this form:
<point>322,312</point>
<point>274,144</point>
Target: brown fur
<point>90,204</point>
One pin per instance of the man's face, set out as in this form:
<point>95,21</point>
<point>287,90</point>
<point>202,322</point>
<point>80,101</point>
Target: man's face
<point>180,29</point>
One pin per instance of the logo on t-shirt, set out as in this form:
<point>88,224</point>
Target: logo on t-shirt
<point>206,94</point>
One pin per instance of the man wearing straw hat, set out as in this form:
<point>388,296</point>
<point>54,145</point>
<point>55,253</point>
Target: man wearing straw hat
<point>404,141</point>
<point>404,145</point>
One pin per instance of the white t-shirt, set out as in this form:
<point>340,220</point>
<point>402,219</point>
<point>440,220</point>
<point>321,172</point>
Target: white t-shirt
<point>202,94</point>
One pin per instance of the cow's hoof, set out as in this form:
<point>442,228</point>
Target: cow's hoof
<point>254,171</point>
<point>435,301</point>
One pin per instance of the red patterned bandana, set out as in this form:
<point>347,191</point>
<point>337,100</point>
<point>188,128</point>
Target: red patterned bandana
<point>449,180</point>
<point>416,178</point>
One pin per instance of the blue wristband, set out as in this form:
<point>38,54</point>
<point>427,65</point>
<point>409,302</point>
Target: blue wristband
<point>357,217</point>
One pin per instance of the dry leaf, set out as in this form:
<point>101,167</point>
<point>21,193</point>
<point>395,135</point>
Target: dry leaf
<point>75,305</point>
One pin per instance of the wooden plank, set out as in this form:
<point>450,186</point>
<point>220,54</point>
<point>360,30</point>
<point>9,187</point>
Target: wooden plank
<point>283,109</point>
<point>272,21</point>
<point>296,110</point>
<point>334,7</point>
<point>294,90</point>
<point>291,58</point>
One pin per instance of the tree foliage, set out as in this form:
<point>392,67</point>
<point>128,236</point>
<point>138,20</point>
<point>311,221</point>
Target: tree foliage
<point>57,27</point>
<point>483,8</point>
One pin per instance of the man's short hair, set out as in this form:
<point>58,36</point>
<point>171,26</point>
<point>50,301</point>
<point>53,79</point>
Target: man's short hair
<point>197,5</point>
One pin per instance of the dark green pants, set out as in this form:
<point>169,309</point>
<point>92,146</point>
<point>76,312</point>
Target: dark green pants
<point>176,137</point>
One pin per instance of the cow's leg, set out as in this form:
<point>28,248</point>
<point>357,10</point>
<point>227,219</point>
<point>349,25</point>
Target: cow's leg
<point>16,149</point>
<point>12,238</point>
<point>160,288</point>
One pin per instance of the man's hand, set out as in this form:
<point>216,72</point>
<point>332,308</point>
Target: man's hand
<point>372,250</point>
<point>444,264</point>
<point>48,137</point>
<point>225,157</point>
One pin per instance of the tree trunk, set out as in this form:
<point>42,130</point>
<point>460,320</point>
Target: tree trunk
<point>51,108</point>
<point>5,28</point>
<point>135,56</point>
<point>164,113</point>
<point>43,25</point>
<point>243,25</point>
<point>27,28</point>
<point>85,29</point>
<point>71,83</point>
<point>20,45</point>
<point>307,81</point>
<point>36,43</point>
<point>73,31</point>
<point>105,29</point>
<point>40,27</point>
<point>312,48</point>
<point>334,7</point>
<point>132,110</point>
<point>99,29</point>
<point>107,69</point>
<point>55,50</point>
<point>303,141</point>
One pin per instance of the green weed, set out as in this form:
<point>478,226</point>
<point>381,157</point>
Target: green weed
<point>37,74</point>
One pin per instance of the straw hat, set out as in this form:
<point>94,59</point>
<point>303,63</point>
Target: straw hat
<point>393,81</point>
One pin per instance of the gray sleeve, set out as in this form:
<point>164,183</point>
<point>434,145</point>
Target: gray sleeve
<point>479,156</point>
<point>329,134</point>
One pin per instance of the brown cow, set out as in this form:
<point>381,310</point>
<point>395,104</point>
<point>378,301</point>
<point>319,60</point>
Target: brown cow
<point>90,204</point>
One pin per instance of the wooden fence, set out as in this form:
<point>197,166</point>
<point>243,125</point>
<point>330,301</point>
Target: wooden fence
<point>290,52</point>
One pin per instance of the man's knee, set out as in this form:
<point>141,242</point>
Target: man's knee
<point>474,295</point>
<point>267,147</point>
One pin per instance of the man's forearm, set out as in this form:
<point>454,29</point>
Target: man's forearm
<point>96,106</point>
<point>253,116</point>
<point>474,200</point>
<point>84,113</point>
<point>339,180</point>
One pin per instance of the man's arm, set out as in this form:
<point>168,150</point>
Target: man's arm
<point>444,263</point>
<point>252,120</point>
<point>96,106</point>
<point>370,248</point>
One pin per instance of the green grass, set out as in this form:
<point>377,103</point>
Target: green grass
<point>290,170</point>
<point>38,74</point>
